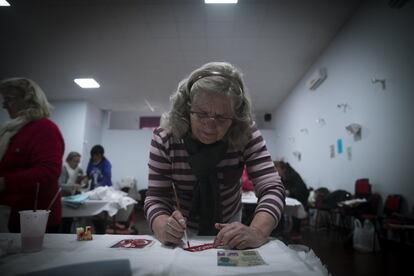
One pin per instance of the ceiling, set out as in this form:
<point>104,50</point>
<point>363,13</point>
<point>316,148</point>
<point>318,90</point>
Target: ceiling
<point>139,50</point>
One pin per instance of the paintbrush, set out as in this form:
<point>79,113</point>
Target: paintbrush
<point>179,209</point>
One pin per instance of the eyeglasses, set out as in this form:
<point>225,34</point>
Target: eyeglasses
<point>204,116</point>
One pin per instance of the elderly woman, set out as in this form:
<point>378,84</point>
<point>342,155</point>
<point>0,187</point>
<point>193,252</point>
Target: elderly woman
<point>31,151</point>
<point>72,175</point>
<point>200,149</point>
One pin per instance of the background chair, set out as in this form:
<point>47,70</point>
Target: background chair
<point>362,188</point>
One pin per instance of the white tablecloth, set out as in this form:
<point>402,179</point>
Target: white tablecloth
<point>156,259</point>
<point>101,199</point>
<point>91,207</point>
<point>293,206</point>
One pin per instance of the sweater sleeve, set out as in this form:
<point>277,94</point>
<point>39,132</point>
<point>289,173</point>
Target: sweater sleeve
<point>63,182</point>
<point>268,185</point>
<point>159,195</point>
<point>107,173</point>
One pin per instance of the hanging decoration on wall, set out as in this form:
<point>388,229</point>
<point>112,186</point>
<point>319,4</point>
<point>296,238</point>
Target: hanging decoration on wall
<point>354,129</point>
<point>297,155</point>
<point>291,139</point>
<point>321,122</point>
<point>343,106</point>
<point>339,146</point>
<point>304,130</point>
<point>332,151</point>
<point>349,153</point>
<point>381,81</point>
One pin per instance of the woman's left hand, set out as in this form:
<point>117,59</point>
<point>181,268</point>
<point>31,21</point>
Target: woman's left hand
<point>239,236</point>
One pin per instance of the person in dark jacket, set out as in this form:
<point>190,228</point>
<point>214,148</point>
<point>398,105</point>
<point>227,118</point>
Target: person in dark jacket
<point>99,168</point>
<point>295,188</point>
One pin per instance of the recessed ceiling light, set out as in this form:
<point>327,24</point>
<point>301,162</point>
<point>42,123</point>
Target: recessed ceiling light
<point>220,1</point>
<point>87,83</point>
<point>4,3</point>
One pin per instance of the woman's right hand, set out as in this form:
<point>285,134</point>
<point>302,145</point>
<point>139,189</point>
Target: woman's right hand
<point>170,229</point>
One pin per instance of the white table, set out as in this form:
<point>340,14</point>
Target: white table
<point>293,206</point>
<point>156,259</point>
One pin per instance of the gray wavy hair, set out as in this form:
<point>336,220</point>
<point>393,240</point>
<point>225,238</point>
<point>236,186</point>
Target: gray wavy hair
<point>72,155</point>
<point>213,77</point>
<point>33,99</point>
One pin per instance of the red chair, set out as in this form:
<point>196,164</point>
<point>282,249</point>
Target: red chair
<point>362,188</point>
<point>390,216</point>
<point>392,205</point>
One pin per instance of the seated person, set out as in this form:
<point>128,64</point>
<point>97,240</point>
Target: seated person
<point>71,177</point>
<point>99,174</point>
<point>99,168</point>
<point>295,188</point>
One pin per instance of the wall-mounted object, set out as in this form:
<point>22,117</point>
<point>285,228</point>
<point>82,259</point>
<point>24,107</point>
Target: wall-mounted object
<point>339,146</point>
<point>354,129</point>
<point>297,155</point>
<point>382,81</point>
<point>267,117</point>
<point>316,78</point>
<point>349,153</point>
<point>304,130</point>
<point>332,151</point>
<point>343,106</point>
<point>291,139</point>
<point>321,122</point>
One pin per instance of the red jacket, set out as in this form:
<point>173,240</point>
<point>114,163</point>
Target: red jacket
<point>34,155</point>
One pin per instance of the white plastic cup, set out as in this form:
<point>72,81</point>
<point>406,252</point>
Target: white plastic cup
<point>32,229</point>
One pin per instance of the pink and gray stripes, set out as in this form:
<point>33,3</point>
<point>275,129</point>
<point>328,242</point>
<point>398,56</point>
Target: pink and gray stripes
<point>168,163</point>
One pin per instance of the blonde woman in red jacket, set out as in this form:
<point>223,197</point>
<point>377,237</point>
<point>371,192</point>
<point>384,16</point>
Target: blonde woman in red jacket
<point>31,152</point>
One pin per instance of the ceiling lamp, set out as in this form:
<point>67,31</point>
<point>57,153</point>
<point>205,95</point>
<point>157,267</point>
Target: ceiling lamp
<point>87,83</point>
<point>220,1</point>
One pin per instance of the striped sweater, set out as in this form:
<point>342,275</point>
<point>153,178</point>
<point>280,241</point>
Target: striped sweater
<point>168,162</point>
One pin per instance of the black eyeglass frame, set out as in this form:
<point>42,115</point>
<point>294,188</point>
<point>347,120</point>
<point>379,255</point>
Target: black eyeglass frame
<point>217,118</point>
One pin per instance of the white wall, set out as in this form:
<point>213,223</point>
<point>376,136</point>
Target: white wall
<point>70,118</point>
<point>94,123</point>
<point>81,126</point>
<point>376,43</point>
<point>128,151</point>
<point>269,136</point>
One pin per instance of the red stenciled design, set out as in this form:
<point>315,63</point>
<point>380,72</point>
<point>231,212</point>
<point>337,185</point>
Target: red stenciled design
<point>132,243</point>
<point>200,247</point>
